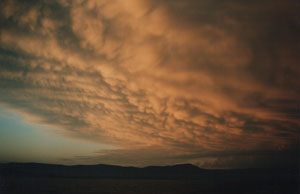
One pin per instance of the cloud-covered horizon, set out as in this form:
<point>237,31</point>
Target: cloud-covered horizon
<point>162,81</point>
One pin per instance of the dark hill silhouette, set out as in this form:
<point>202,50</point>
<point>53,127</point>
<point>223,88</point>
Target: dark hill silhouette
<point>35,178</point>
<point>180,171</point>
<point>101,171</point>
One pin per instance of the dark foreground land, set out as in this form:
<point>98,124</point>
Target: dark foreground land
<point>180,179</point>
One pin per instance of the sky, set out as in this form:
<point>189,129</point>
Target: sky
<point>150,82</point>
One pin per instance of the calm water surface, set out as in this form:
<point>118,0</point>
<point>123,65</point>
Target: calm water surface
<point>101,186</point>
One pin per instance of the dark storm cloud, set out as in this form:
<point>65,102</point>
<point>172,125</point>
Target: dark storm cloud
<point>188,80</point>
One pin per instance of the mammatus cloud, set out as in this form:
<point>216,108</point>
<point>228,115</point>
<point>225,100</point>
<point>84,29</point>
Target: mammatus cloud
<point>162,81</point>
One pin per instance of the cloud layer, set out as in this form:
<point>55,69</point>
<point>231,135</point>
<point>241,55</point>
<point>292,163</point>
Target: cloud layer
<point>162,81</point>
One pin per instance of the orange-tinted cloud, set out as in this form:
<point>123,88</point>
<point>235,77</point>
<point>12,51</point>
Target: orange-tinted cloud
<point>184,79</point>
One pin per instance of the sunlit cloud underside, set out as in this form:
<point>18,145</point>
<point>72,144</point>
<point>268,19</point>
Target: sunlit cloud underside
<point>213,83</point>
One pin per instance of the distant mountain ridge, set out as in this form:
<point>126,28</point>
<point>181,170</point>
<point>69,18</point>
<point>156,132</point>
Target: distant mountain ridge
<point>179,171</point>
<point>35,178</point>
<point>99,171</point>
